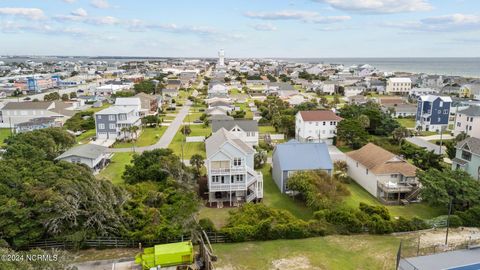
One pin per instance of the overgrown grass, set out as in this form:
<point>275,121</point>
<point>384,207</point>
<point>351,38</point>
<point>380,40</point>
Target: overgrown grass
<point>330,252</point>
<point>266,129</point>
<point>218,216</point>
<point>406,122</point>
<point>86,136</point>
<point>4,133</point>
<point>421,210</point>
<point>149,136</point>
<point>274,198</point>
<point>115,169</point>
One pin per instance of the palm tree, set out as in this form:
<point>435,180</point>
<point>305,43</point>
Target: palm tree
<point>124,130</point>
<point>197,161</point>
<point>134,129</point>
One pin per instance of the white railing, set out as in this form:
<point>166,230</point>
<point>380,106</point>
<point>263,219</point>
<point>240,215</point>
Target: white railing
<point>232,170</point>
<point>227,187</point>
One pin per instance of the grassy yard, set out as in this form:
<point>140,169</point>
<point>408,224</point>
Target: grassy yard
<point>273,198</point>
<point>266,129</point>
<point>4,133</point>
<point>148,136</point>
<point>407,122</point>
<point>190,148</point>
<point>330,252</point>
<point>218,216</point>
<point>192,116</point>
<point>115,169</point>
<point>421,210</point>
<point>104,106</point>
<point>86,136</point>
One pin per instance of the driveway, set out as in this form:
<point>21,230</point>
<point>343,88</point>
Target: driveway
<point>422,142</point>
<point>167,137</point>
<point>335,153</point>
<point>120,264</point>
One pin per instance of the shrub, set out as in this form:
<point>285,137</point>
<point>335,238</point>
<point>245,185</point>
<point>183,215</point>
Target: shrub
<point>207,225</point>
<point>370,210</point>
<point>470,217</point>
<point>455,221</point>
<point>346,220</point>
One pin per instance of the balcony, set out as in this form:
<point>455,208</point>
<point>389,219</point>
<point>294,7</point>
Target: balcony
<point>213,187</point>
<point>232,170</point>
<point>397,188</point>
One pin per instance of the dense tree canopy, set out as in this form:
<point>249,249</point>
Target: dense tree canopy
<point>380,122</point>
<point>352,133</point>
<point>439,187</point>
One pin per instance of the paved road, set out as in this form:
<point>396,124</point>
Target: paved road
<point>422,142</point>
<point>167,137</point>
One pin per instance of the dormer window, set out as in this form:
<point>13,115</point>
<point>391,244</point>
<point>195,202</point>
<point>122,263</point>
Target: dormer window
<point>237,162</point>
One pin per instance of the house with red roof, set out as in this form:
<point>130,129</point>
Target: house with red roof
<point>316,126</point>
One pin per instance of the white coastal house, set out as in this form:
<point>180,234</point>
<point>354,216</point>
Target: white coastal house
<point>468,121</point>
<point>316,126</point>
<point>386,176</point>
<point>230,169</point>
<point>400,86</point>
<point>245,130</point>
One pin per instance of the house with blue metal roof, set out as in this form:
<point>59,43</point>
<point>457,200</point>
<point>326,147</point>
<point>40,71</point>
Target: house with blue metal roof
<point>294,156</point>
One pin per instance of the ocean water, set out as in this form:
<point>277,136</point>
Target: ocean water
<point>454,66</point>
<point>467,67</point>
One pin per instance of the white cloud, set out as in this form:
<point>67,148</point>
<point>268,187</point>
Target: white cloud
<point>28,13</point>
<point>264,27</point>
<point>106,20</point>
<point>379,6</point>
<point>100,4</point>
<point>69,1</point>
<point>305,16</point>
<point>80,12</point>
<point>282,15</point>
<point>445,23</point>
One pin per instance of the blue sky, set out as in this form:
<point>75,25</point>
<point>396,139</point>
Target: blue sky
<point>244,28</point>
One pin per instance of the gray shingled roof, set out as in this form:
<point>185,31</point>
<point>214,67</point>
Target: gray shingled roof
<point>215,142</point>
<point>471,111</point>
<point>472,143</point>
<point>91,151</point>
<point>39,105</point>
<point>245,125</point>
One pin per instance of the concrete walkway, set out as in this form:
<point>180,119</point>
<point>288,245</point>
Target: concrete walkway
<point>166,138</point>
<point>422,142</point>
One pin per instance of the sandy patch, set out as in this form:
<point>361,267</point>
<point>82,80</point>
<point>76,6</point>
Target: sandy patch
<point>293,263</point>
<point>456,236</point>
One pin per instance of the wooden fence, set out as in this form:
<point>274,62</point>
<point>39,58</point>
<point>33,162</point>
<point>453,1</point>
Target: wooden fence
<point>117,242</point>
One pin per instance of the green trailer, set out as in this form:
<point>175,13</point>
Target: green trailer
<point>166,255</point>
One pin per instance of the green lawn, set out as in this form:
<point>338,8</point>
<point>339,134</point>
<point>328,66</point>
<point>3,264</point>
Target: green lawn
<point>192,116</point>
<point>266,129</point>
<point>104,106</point>
<point>421,210</point>
<point>86,136</point>
<point>115,169</point>
<point>218,216</point>
<point>4,133</point>
<point>149,136</point>
<point>330,252</point>
<point>407,122</point>
<point>273,198</point>
<point>190,148</point>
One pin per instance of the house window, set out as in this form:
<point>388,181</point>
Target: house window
<point>112,126</point>
<point>237,162</point>
<point>239,178</point>
<point>215,179</point>
<point>441,103</point>
<point>394,175</point>
<point>99,117</point>
<point>111,117</point>
<point>366,171</point>
<point>101,126</point>
<point>324,123</point>
<point>466,155</point>
<point>445,111</point>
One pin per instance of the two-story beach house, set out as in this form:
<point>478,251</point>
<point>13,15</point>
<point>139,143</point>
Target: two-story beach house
<point>433,112</point>
<point>316,126</point>
<point>467,157</point>
<point>113,123</point>
<point>245,130</point>
<point>385,175</point>
<point>468,121</point>
<point>399,86</point>
<point>230,168</point>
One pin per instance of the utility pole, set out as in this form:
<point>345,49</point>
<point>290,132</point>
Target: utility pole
<point>448,220</point>
<point>441,139</point>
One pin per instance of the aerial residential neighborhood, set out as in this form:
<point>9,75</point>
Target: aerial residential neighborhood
<point>230,136</point>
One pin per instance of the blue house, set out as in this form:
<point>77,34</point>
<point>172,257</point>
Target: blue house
<point>433,112</point>
<point>294,156</point>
